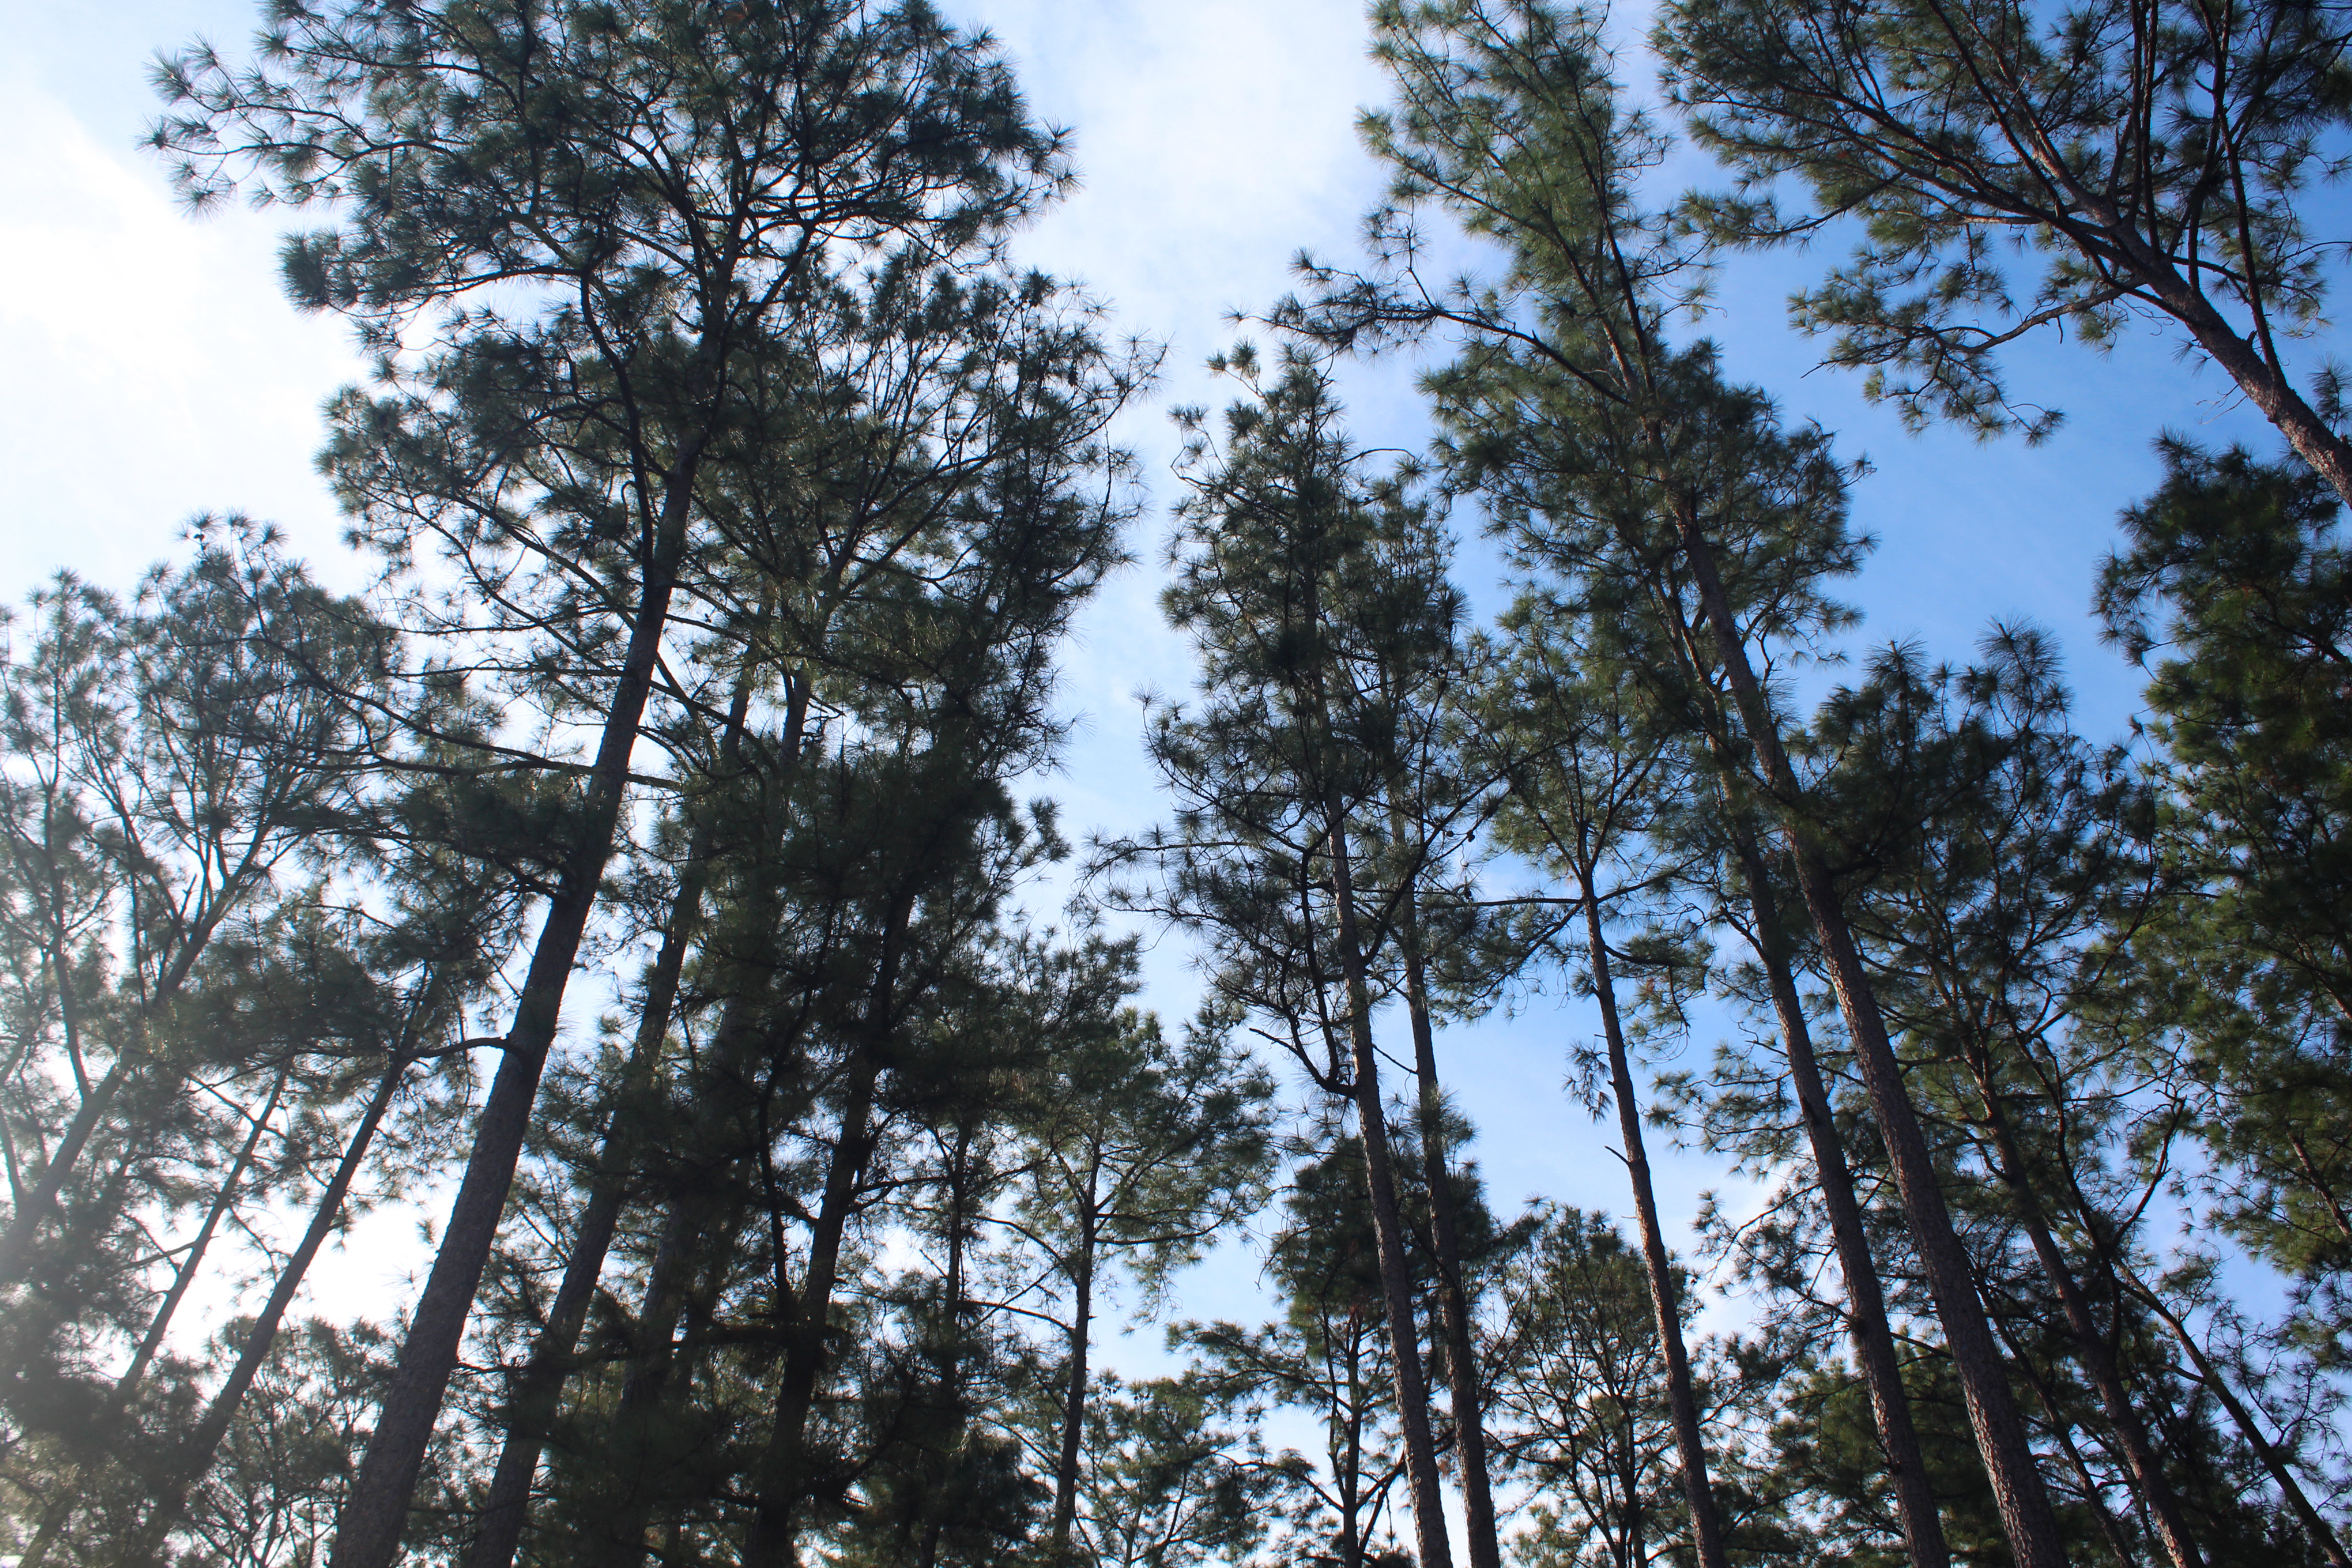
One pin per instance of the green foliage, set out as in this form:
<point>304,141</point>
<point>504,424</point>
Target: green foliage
<point>736,493</point>
<point>1167,1487</point>
<point>2155,157</point>
<point>2232,592</point>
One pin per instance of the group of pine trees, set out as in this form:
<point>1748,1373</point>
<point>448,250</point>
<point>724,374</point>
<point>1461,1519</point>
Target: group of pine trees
<point>636,879</point>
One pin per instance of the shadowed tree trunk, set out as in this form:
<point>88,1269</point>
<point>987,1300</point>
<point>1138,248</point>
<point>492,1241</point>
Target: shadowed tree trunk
<point>1467,1387</point>
<point>203,1441</point>
<point>538,1387</point>
<point>368,1530</point>
<point>1388,1232</point>
<point>1682,1394</point>
<point>1874,1338</point>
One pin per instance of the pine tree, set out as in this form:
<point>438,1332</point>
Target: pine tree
<point>923,413</point>
<point>2157,155</point>
<point>1648,478</point>
<point>1139,1150</point>
<point>2232,594</point>
<point>1327,1357</point>
<point>2001,888</point>
<point>1283,571</point>
<point>221,759</point>
<point>1166,1486</point>
<point>1583,775</point>
<point>612,171</point>
<point>1583,1381</point>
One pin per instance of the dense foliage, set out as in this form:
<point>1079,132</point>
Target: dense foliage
<point>637,880</point>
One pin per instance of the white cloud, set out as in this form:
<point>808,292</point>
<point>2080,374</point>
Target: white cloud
<point>154,370</point>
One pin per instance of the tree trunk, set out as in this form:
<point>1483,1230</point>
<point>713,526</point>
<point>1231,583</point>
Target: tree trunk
<point>16,1251</point>
<point>2264,384</point>
<point>2210,1377</point>
<point>1436,1551</point>
<point>2091,1346</point>
<point>1074,1396</point>
<point>2022,1501</point>
<point>1873,1339</point>
<point>782,1476</point>
<point>632,1468</point>
<point>368,1530</point>
<point>539,1389</point>
<point>1682,1395</point>
<point>1352,1479</point>
<point>160,1323</point>
<point>197,1457</point>
<point>55,1517</point>
<point>952,1375</point>
<point>745,1028</point>
<point>1467,1388</point>
<point>2110,1528</point>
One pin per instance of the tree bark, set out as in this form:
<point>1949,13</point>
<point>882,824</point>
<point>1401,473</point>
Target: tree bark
<point>1074,1396</point>
<point>368,1530</point>
<point>2019,1494</point>
<point>16,1251</point>
<point>2315,1524</point>
<point>2264,383</point>
<point>196,1457</point>
<point>951,1373</point>
<point>632,1466</point>
<point>1874,1338</point>
<point>1436,1551</point>
<point>1435,1548</point>
<point>539,1389</point>
<point>1682,1395</point>
<point>782,1477</point>
<point>1465,1385</point>
<point>55,1517</point>
<point>2091,1346</point>
<point>25,1224</point>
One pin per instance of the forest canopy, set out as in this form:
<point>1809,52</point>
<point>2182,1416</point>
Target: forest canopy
<point>645,871</point>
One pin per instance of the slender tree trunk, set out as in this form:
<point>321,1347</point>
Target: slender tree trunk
<point>670,1296</point>
<point>2264,383</point>
<point>782,1479</point>
<point>1074,1394</point>
<point>538,1388</point>
<point>952,1375</point>
<point>2019,1493</point>
<point>16,1252</point>
<point>1682,1395</point>
<point>1637,1517</point>
<point>60,1511</point>
<point>744,1028</point>
<point>1467,1388</point>
<point>1352,1479</point>
<point>2209,1376</point>
<point>196,1457</point>
<point>632,1466</point>
<point>368,1531</point>
<point>2111,1530</point>
<point>2091,1347</point>
<point>1874,1338</point>
<point>160,1323</point>
<point>1435,1549</point>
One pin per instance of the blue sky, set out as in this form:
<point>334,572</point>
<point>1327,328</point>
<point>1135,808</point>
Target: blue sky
<point>155,372</point>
